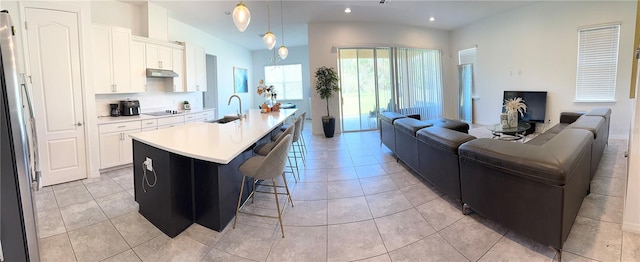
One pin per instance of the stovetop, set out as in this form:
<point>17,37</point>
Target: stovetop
<point>164,113</point>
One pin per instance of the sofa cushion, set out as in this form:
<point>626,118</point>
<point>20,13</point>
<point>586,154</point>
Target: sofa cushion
<point>410,125</point>
<point>570,117</point>
<point>549,163</point>
<point>390,116</point>
<point>450,124</point>
<point>557,128</point>
<point>541,139</point>
<point>603,112</point>
<point>590,123</point>
<point>443,138</point>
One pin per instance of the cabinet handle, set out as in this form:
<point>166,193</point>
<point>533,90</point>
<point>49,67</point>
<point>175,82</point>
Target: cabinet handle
<point>122,126</point>
<point>113,88</point>
<point>160,64</point>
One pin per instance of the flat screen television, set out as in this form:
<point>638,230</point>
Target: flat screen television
<point>536,102</point>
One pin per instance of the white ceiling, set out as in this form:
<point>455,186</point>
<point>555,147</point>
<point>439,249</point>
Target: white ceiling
<point>210,16</point>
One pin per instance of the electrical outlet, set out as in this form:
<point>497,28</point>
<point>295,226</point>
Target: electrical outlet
<point>149,164</point>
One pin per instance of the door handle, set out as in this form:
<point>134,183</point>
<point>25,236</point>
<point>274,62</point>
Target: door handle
<point>79,124</point>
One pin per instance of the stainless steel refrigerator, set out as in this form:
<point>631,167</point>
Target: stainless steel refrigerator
<point>18,239</point>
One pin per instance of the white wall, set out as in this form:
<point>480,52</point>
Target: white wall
<point>297,55</point>
<point>631,214</point>
<point>229,55</point>
<point>534,48</point>
<point>323,37</point>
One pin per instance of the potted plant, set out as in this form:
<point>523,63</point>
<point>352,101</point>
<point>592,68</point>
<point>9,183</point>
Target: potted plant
<point>514,106</point>
<point>326,85</point>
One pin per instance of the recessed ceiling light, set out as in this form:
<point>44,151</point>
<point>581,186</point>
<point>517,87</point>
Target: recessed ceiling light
<point>431,19</point>
<point>347,10</point>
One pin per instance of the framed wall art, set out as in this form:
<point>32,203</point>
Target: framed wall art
<point>240,80</point>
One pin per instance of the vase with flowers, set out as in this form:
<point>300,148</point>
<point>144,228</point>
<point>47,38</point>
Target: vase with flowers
<point>513,106</point>
<point>269,93</point>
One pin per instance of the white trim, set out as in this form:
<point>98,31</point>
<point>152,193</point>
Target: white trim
<point>631,227</point>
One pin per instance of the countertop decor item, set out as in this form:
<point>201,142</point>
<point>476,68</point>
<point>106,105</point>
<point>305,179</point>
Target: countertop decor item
<point>269,93</point>
<point>186,105</point>
<point>514,106</point>
<point>326,86</point>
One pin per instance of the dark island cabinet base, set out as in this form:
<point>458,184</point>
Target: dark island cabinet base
<point>183,191</point>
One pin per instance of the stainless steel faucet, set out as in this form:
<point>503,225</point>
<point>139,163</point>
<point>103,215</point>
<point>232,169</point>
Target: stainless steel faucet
<point>239,104</point>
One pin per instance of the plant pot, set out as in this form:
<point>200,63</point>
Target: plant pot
<point>328,125</point>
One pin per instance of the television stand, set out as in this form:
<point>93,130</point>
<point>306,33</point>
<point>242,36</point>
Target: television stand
<point>531,129</point>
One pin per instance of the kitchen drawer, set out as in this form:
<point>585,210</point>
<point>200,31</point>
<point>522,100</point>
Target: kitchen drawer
<point>145,129</point>
<point>118,127</point>
<point>170,125</point>
<point>193,117</point>
<point>170,120</point>
<point>150,123</point>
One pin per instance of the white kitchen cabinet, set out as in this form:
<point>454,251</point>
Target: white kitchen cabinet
<point>171,121</point>
<point>159,56</point>
<point>115,143</point>
<point>178,67</point>
<point>138,66</point>
<point>112,60</point>
<point>196,68</point>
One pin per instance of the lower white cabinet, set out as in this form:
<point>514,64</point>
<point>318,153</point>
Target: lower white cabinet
<point>115,144</point>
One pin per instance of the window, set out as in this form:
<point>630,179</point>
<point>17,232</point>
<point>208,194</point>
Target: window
<point>597,63</point>
<point>467,56</point>
<point>286,79</point>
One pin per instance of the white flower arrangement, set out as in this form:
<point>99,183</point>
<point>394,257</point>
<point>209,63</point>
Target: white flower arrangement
<point>515,104</point>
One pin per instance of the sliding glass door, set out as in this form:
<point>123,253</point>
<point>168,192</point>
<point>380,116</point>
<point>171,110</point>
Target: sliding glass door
<point>365,86</point>
<point>375,80</point>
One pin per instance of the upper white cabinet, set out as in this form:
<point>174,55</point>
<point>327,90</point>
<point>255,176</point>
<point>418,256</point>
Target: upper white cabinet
<point>112,64</point>
<point>178,67</point>
<point>159,57</point>
<point>196,79</point>
<point>138,66</point>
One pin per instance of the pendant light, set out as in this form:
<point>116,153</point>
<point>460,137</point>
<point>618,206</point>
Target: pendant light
<point>241,16</point>
<point>283,51</point>
<point>269,38</point>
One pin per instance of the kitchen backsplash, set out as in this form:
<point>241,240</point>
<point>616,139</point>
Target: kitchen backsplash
<point>157,98</point>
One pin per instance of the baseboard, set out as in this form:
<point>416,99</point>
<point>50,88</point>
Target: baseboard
<point>631,227</point>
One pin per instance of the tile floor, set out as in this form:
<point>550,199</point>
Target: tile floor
<point>354,202</point>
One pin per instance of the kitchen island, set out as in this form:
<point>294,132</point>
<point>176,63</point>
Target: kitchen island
<point>189,173</point>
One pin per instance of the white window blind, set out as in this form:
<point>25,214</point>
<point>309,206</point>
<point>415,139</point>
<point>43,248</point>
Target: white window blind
<point>597,63</point>
<point>467,56</point>
<point>287,80</point>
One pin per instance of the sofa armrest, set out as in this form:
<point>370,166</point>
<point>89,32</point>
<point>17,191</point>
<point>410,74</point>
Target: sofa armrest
<point>550,163</point>
<point>570,117</point>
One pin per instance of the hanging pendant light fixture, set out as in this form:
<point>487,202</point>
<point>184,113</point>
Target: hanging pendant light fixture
<point>269,38</point>
<point>241,16</point>
<point>283,51</point>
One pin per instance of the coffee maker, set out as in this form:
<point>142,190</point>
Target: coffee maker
<point>115,111</point>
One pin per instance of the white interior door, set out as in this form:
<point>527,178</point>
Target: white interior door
<point>54,61</point>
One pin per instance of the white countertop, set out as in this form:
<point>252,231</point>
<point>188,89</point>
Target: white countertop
<point>119,119</point>
<point>213,142</point>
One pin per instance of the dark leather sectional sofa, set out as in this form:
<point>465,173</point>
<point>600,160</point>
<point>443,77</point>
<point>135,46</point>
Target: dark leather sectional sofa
<point>534,188</point>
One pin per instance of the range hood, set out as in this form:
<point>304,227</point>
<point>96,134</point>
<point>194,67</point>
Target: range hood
<point>152,72</point>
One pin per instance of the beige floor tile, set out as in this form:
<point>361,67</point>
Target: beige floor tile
<point>248,242</point>
<point>513,247</point>
<point>103,188</point>
<point>215,255</point>
<point>404,179</point>
<point>345,210</point>
<point>117,204</point>
<point>608,186</point>
<point>343,173</point>
<point>375,185</point>
<point>126,256</point>
<point>56,248</point>
<point>630,246</point>
<point>601,207</point>
<point>594,239</point>
<point>569,257</point>
<point>403,228</point>
<point>354,241</point>
<point>97,242</point>
<point>72,195</point>
<point>71,184</point>
<point>300,244</point>
<point>440,213</point>
<point>344,188</point>
<point>82,215</point>
<point>370,171</point>
<point>420,193</point>
<point>163,248</point>
<point>473,236</point>
<point>126,181</point>
<point>310,191</point>
<point>432,248</point>
<point>380,258</point>
<point>135,229</point>
<point>203,234</point>
<point>387,203</point>
<point>364,160</point>
<point>92,180</point>
<point>394,167</point>
<point>45,200</point>
<point>306,213</point>
<point>50,223</point>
